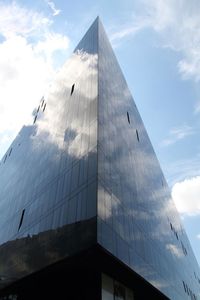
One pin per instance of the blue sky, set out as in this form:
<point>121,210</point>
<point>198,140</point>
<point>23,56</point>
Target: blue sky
<point>157,43</point>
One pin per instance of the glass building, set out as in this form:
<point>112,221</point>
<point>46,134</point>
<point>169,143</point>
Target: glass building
<point>86,212</point>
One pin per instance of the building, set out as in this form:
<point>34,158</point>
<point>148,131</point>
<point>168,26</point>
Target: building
<point>86,212</point>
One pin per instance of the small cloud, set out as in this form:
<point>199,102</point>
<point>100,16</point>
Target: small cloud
<point>186,195</point>
<point>55,11</point>
<point>164,18</point>
<point>182,169</point>
<point>198,236</point>
<point>125,32</point>
<point>177,134</point>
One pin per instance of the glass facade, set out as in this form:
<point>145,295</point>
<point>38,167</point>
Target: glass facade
<point>48,177</point>
<point>137,220</point>
<point>85,173</point>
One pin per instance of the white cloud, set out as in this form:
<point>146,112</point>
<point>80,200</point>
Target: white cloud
<point>177,134</point>
<point>51,43</point>
<point>18,20</point>
<point>178,25</point>
<point>198,236</point>
<point>25,68</point>
<point>182,169</point>
<point>186,195</point>
<point>128,30</point>
<point>53,8</point>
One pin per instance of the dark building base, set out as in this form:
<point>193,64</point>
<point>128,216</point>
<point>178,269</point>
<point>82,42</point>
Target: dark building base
<point>80,278</point>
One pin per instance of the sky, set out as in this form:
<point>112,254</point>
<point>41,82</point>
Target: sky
<point>157,44</point>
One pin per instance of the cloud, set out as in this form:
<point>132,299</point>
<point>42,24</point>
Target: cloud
<point>177,23</point>
<point>198,236</point>
<point>186,196</point>
<point>51,43</point>
<point>19,20</point>
<point>177,134</point>
<point>53,8</point>
<point>127,31</point>
<point>182,169</point>
<point>26,65</point>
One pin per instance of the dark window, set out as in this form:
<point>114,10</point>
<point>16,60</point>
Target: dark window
<point>184,286</point>
<point>72,89</point>
<point>5,158</point>
<point>21,219</point>
<point>184,249</point>
<point>35,119</point>
<point>44,107</point>
<point>10,152</point>
<point>38,108</point>
<point>42,101</point>
<point>137,135</point>
<point>187,289</point>
<point>128,117</point>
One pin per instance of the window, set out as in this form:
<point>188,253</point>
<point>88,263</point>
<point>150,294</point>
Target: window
<point>38,108</point>
<point>72,89</point>
<point>171,226</point>
<point>5,158</point>
<point>128,117</point>
<point>21,220</point>
<point>184,286</point>
<point>184,249</point>
<point>137,135</point>
<point>35,119</point>
<point>10,152</point>
<point>44,107</point>
<point>42,101</point>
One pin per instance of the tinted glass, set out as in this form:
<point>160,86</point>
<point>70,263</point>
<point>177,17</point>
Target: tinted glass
<point>48,175</point>
<point>135,208</point>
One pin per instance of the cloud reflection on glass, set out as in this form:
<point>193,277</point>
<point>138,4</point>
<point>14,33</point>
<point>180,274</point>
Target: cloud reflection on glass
<point>137,219</point>
<point>48,183</point>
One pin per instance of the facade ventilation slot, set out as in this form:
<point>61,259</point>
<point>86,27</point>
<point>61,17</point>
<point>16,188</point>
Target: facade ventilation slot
<point>42,101</point>
<point>21,220</point>
<point>137,135</point>
<point>128,117</point>
<point>10,152</point>
<point>5,159</point>
<point>72,89</point>
<point>35,119</point>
